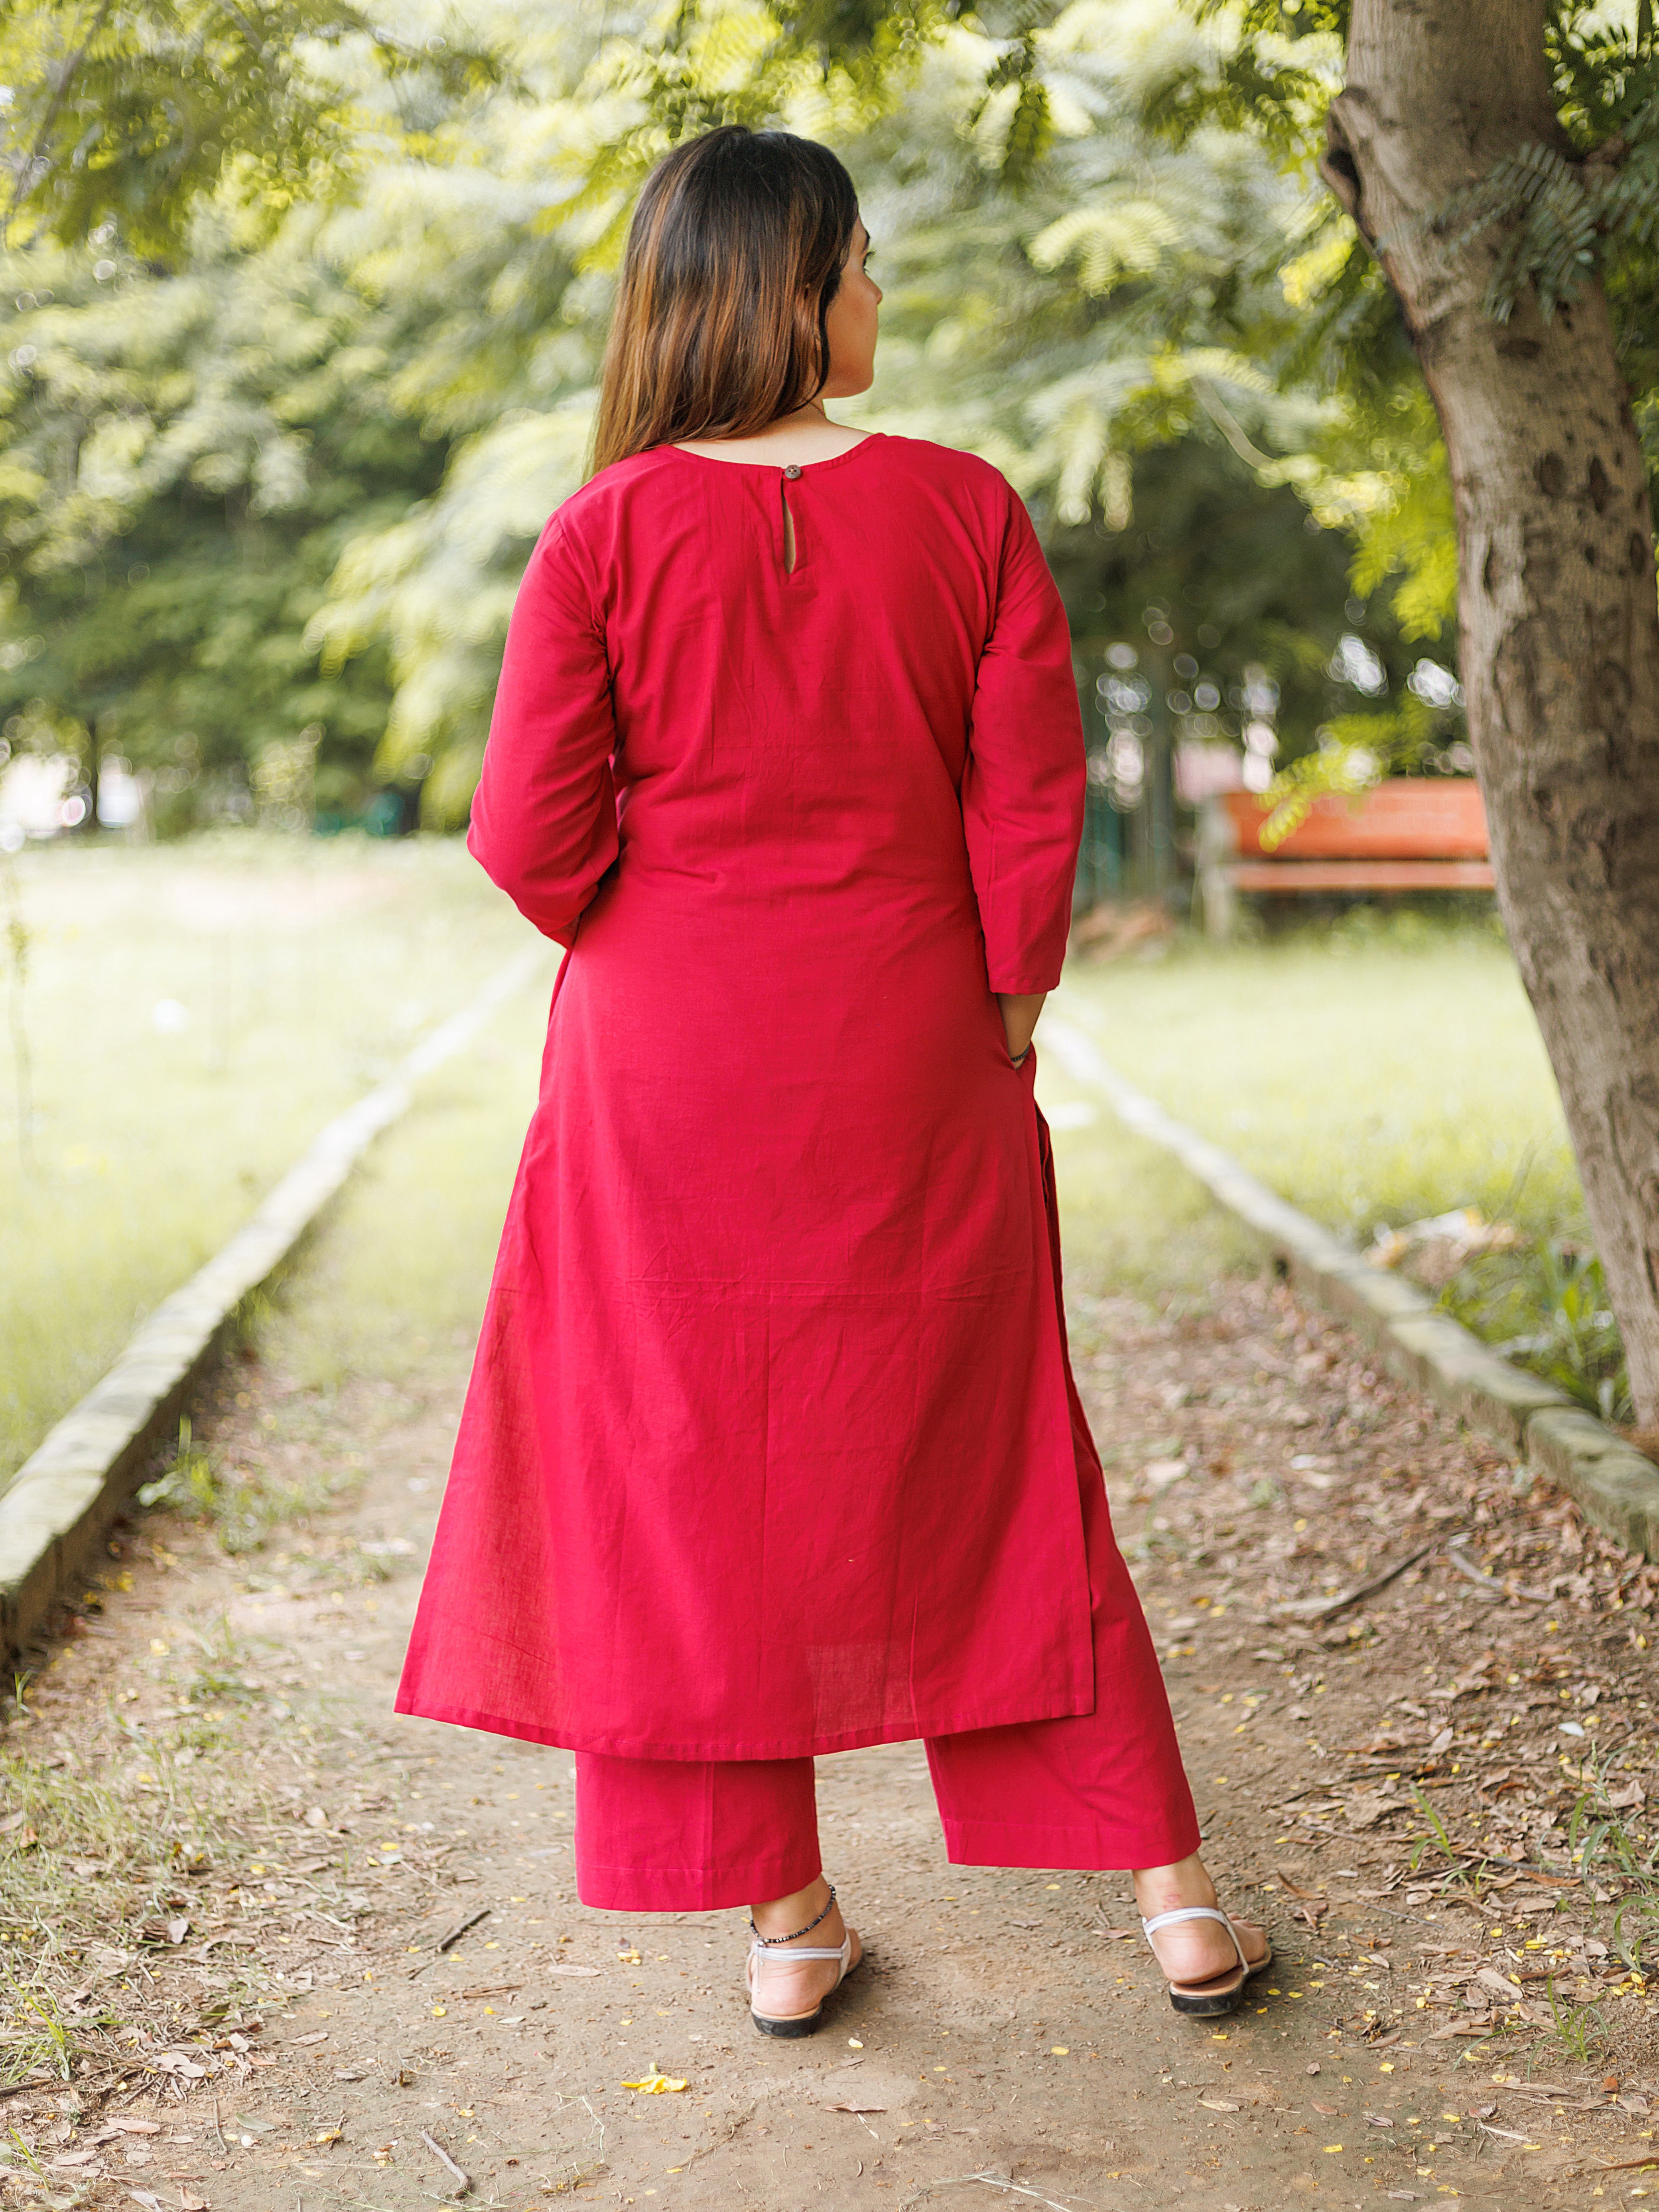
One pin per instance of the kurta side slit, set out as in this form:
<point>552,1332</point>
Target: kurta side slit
<point>771,1446</point>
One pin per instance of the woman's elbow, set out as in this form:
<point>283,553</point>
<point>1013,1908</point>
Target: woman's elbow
<point>551,896</point>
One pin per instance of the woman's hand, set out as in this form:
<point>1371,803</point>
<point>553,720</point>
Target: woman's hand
<point>1019,1011</point>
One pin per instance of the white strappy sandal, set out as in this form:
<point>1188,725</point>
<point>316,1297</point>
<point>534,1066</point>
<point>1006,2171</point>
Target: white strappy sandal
<point>800,2023</point>
<point>763,1953</point>
<point>1222,1993</point>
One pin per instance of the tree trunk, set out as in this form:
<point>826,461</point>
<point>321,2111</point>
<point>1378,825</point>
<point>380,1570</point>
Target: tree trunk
<point>1556,603</point>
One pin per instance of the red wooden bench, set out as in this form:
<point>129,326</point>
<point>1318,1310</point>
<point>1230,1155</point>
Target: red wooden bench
<point>1407,834</point>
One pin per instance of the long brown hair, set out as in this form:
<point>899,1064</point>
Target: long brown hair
<point>733,256</point>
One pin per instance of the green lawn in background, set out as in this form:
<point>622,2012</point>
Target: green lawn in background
<point>305,970</point>
<point>396,1287</point>
<point>1380,1070</point>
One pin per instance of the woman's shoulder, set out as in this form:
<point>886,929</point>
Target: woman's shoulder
<point>606,486</point>
<point>583,526</point>
<point>947,465</point>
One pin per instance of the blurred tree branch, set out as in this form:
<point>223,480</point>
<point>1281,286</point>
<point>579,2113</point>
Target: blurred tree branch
<point>130,113</point>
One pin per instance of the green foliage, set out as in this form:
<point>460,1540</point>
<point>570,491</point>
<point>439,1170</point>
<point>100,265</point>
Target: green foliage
<point>1545,1305</point>
<point>1556,212</point>
<point>185,459</point>
<point>277,492</point>
<point>279,498</point>
<point>1352,753</point>
<point>124,115</point>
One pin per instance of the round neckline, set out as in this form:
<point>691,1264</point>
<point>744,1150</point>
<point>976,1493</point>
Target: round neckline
<point>803,468</point>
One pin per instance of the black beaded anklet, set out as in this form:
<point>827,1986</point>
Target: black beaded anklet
<point>769,1941</point>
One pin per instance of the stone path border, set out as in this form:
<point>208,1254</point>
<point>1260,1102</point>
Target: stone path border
<point>1616,1485</point>
<point>64,1497</point>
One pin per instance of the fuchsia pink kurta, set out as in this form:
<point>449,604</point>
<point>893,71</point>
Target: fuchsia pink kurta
<point>769,1448</point>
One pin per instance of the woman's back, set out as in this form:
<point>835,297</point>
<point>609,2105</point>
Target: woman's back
<point>793,658</point>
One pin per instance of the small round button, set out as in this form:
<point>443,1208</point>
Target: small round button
<point>792,471</point>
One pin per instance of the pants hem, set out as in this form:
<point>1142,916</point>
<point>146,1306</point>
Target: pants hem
<point>1070,1850</point>
<point>693,1889</point>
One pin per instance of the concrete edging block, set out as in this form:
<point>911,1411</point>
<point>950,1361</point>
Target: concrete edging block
<point>60,1502</point>
<point>1616,1485</point>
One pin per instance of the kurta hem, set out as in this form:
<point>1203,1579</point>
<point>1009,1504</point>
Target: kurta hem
<point>725,1748</point>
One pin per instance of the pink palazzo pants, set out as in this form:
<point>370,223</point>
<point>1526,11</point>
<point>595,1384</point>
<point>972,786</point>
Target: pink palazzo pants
<point>1093,1790</point>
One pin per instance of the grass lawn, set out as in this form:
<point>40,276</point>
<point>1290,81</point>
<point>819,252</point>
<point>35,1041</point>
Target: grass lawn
<point>1378,1071</point>
<point>192,1014</point>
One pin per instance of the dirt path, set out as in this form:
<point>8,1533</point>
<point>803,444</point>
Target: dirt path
<point>231,1870</point>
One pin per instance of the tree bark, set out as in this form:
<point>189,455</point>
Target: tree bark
<point>1556,603</point>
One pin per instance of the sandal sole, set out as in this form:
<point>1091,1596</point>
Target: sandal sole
<point>807,2024</point>
<point>1211,2007</point>
<point>1212,2004</point>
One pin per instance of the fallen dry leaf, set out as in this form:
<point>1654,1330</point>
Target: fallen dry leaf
<point>188,2203</point>
<point>148,2198</point>
<point>320,2036</point>
<point>573,1970</point>
<point>74,2158</point>
<point>123,2125</point>
<point>1219,2105</point>
<point>1367,1806</point>
<point>857,2108</point>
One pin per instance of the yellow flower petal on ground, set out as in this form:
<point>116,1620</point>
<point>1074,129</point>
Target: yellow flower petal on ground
<point>655,2084</point>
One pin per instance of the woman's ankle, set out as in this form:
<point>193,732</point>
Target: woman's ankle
<point>805,1915</point>
<point>1165,1889</point>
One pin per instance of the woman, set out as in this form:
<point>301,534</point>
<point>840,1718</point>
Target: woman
<point>772,1446</point>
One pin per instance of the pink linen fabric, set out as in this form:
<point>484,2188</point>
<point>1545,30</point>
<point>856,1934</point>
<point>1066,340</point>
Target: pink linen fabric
<point>769,1448</point>
<point>1097,1789</point>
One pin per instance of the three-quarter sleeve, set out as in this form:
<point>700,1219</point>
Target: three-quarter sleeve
<point>1023,786</point>
<point>544,815</point>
